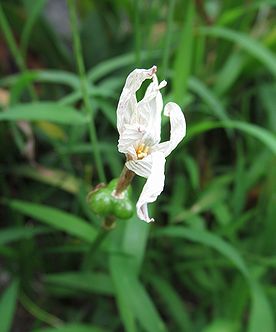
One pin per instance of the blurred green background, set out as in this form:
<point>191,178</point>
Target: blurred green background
<point>208,262</point>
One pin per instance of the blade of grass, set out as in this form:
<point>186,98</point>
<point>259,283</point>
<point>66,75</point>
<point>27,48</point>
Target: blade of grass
<point>229,73</point>
<point>133,299</point>
<point>7,306</point>
<point>134,242</point>
<point>57,219</point>
<point>184,54</point>
<point>168,38</point>
<point>38,312</point>
<point>252,46</point>
<point>106,67</point>
<point>44,76</point>
<point>137,33</point>
<point>172,303</point>
<point>33,16</point>
<point>84,89</point>
<point>72,328</point>
<point>4,24</point>
<point>261,312</point>
<point>209,239</point>
<point>122,285</point>
<point>53,177</point>
<point>207,95</point>
<point>18,233</point>
<point>88,282</point>
<point>259,133</point>
<point>49,111</point>
<point>5,27</point>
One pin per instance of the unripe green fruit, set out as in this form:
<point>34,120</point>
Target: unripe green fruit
<point>122,208</point>
<point>112,184</point>
<point>101,202</point>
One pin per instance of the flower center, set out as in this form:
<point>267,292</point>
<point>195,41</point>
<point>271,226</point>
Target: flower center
<point>142,151</point>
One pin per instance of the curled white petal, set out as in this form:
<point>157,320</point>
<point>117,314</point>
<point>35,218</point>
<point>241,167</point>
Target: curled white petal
<point>141,167</point>
<point>149,111</point>
<point>128,103</point>
<point>153,187</point>
<point>178,128</point>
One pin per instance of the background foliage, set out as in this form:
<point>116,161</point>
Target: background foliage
<point>207,263</point>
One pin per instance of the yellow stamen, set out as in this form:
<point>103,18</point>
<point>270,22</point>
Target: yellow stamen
<point>142,151</point>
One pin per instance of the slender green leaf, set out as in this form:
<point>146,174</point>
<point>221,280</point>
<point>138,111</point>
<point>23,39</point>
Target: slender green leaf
<point>113,64</point>
<point>72,328</point>
<point>57,219</point>
<point>252,46</point>
<point>17,233</point>
<point>134,241</point>
<point>183,58</point>
<point>34,13</point>
<point>261,311</point>
<point>173,304</point>
<point>44,111</point>
<point>123,287</point>
<point>53,177</point>
<point>44,76</point>
<point>7,306</point>
<point>262,315</point>
<point>98,283</point>
<point>208,239</point>
<point>207,95</point>
<point>261,134</point>
<point>229,73</point>
<point>133,299</point>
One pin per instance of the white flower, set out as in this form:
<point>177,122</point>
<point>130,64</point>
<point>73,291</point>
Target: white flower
<point>139,126</point>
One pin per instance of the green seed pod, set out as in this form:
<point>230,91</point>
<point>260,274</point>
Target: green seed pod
<point>101,202</point>
<point>122,208</point>
<point>112,184</point>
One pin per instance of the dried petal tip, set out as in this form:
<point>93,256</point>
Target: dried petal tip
<point>153,70</point>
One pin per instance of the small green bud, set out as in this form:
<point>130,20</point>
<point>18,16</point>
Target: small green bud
<point>101,202</point>
<point>122,208</point>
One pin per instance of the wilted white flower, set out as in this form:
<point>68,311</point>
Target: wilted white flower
<point>139,126</point>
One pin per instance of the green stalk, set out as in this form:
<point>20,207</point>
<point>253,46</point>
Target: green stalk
<point>137,26</point>
<point>10,41</point>
<point>168,39</point>
<point>84,89</point>
<point>87,262</point>
<point>39,313</point>
<point>4,24</point>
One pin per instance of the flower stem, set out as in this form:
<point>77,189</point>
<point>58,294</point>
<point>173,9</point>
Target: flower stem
<point>38,312</point>
<point>11,42</point>
<point>108,224</point>
<point>84,89</point>
<point>124,181</point>
<point>168,38</point>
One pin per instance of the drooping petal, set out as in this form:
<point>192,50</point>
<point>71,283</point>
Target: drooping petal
<point>153,187</point>
<point>141,167</point>
<point>149,111</point>
<point>178,128</point>
<point>128,103</point>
